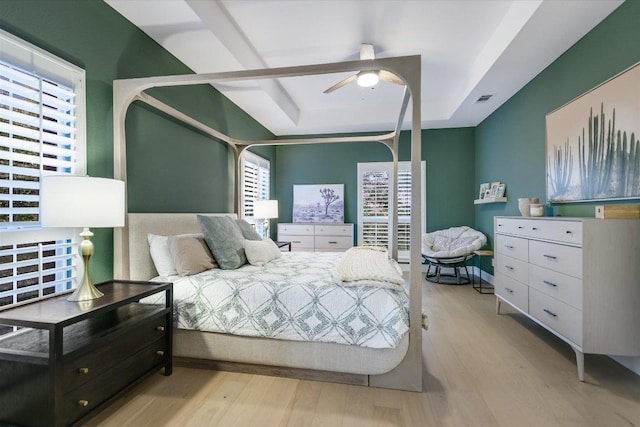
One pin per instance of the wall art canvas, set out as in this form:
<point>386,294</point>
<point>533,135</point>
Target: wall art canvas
<point>593,147</point>
<point>318,203</point>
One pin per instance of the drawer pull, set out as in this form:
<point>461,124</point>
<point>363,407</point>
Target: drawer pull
<point>549,312</point>
<point>83,402</point>
<point>569,232</point>
<point>546,282</point>
<point>499,225</point>
<point>534,228</point>
<point>160,353</point>
<point>549,256</point>
<point>160,328</point>
<point>520,227</point>
<point>508,246</point>
<point>335,243</point>
<point>83,370</point>
<point>296,241</point>
<point>508,267</point>
<point>509,290</point>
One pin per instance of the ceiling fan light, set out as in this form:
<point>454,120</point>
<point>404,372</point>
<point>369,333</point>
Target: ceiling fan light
<point>368,79</point>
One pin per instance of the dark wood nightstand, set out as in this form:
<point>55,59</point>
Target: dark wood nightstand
<point>70,359</point>
<point>282,244</point>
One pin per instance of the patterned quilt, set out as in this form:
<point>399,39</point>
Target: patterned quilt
<point>294,297</point>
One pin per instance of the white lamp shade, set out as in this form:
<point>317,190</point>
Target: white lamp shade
<point>265,209</point>
<point>81,201</point>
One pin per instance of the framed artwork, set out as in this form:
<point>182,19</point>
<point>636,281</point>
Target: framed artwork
<point>494,189</point>
<point>483,189</point>
<point>593,146</point>
<point>318,203</point>
<point>501,190</point>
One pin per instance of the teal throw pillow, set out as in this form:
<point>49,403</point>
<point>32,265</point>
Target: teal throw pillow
<point>247,230</point>
<point>224,239</point>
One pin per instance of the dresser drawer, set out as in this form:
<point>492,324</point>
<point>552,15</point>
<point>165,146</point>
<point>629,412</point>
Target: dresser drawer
<point>516,226</point>
<point>298,243</point>
<point>514,268</point>
<point>514,292</point>
<point>560,231</point>
<point>295,229</point>
<point>562,287</point>
<point>80,401</point>
<point>334,230</point>
<point>561,317</point>
<point>338,243</point>
<point>81,368</point>
<point>561,258</point>
<point>515,247</point>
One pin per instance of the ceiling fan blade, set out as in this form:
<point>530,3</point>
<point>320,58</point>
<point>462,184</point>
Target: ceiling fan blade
<point>366,52</point>
<point>342,83</point>
<point>390,77</point>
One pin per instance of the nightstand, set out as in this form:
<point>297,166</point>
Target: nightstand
<point>282,244</point>
<point>70,359</point>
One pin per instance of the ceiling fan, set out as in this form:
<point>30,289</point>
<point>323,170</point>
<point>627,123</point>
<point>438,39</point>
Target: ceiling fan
<point>367,78</point>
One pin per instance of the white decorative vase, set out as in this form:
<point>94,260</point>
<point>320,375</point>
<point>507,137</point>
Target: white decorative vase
<point>523,206</point>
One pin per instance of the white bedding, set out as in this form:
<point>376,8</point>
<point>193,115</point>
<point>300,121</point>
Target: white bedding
<point>295,297</point>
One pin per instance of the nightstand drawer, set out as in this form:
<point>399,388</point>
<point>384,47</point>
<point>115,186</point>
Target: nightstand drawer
<point>298,242</point>
<point>515,247</point>
<point>294,229</point>
<point>84,367</point>
<point>561,258</point>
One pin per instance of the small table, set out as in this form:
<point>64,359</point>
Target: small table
<point>479,254</point>
<point>281,244</point>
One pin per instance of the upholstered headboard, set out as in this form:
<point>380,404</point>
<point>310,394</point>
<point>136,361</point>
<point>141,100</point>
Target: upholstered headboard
<point>165,224</point>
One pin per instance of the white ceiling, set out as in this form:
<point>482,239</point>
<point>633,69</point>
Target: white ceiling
<point>468,49</point>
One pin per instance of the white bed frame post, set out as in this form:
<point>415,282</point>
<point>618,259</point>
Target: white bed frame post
<point>408,374</point>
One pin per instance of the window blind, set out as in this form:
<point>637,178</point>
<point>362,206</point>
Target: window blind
<point>256,184</point>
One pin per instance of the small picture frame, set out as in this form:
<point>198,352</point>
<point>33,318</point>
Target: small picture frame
<point>483,190</point>
<point>494,189</point>
<point>501,190</point>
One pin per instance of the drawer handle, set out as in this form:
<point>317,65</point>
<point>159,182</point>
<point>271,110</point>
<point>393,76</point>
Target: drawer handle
<point>549,312</point>
<point>509,290</point>
<point>333,243</point>
<point>296,241</point>
<point>83,402</point>
<point>569,232</point>
<point>508,246</point>
<point>534,228</point>
<point>546,282</point>
<point>83,371</point>
<point>508,267</point>
<point>549,256</point>
<point>160,353</point>
<point>499,225</point>
<point>160,328</point>
<point>520,227</point>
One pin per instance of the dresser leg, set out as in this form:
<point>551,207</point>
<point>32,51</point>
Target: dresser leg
<point>498,303</point>
<point>580,363</point>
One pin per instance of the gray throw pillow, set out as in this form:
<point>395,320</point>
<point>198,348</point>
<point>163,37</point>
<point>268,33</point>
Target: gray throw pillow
<point>225,240</point>
<point>190,254</point>
<point>247,230</point>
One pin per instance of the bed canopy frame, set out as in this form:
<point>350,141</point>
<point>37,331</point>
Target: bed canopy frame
<point>408,374</point>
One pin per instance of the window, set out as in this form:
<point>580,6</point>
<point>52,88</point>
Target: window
<point>41,131</point>
<point>374,187</point>
<point>256,184</point>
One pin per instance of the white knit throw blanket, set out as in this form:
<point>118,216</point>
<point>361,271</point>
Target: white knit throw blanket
<point>369,266</point>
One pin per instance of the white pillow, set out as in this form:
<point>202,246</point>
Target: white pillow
<point>260,252</point>
<point>161,255</point>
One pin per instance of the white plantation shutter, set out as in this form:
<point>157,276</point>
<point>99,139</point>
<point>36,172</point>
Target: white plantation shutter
<point>41,131</point>
<point>374,181</point>
<point>256,183</point>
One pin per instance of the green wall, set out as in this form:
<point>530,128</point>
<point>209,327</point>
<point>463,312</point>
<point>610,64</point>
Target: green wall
<point>510,144</point>
<point>449,156</point>
<point>90,34</point>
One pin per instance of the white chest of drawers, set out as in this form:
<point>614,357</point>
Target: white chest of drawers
<point>317,237</point>
<point>577,277</point>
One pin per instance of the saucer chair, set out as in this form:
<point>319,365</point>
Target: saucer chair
<point>450,248</point>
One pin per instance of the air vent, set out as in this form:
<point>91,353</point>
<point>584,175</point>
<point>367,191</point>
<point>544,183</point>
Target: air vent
<point>484,98</point>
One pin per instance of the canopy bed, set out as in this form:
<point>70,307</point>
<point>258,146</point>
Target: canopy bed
<point>399,366</point>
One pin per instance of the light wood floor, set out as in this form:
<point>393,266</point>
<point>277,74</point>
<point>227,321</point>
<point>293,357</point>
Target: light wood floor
<point>481,369</point>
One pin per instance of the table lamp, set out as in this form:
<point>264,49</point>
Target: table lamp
<point>265,209</point>
<point>82,201</point>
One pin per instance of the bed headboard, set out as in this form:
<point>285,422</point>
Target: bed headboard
<point>165,224</point>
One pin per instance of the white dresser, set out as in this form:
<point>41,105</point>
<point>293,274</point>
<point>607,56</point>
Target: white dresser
<point>317,237</point>
<point>577,277</point>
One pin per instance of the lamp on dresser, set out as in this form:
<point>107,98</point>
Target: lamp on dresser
<point>265,209</point>
<point>81,201</point>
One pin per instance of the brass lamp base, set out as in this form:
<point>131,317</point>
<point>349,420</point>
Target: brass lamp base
<point>86,291</point>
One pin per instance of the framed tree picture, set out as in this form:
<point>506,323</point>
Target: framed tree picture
<point>318,203</point>
<point>593,146</point>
